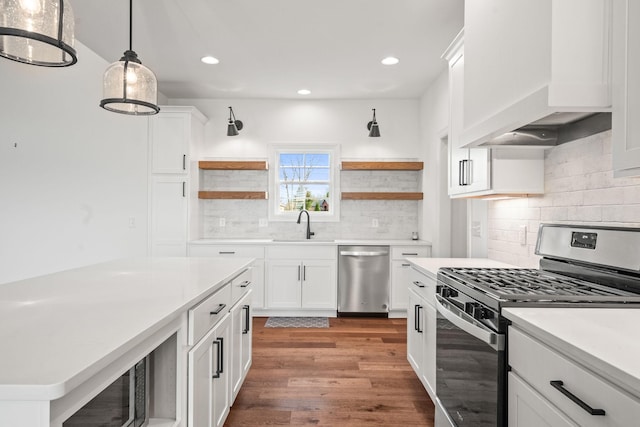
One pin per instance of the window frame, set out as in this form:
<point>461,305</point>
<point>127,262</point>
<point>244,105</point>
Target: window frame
<point>333,150</point>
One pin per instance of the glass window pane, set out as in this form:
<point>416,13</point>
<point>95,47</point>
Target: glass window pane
<point>320,174</point>
<point>317,159</point>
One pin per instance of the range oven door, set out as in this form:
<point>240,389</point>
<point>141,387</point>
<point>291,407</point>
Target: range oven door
<point>470,367</point>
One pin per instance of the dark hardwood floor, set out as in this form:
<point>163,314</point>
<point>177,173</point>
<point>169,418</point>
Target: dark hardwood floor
<point>355,373</point>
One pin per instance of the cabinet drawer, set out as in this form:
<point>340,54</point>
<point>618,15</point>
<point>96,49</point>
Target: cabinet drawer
<point>241,285</point>
<point>538,365</point>
<point>401,252</point>
<point>302,252</point>
<point>422,285</point>
<point>226,250</point>
<point>206,314</point>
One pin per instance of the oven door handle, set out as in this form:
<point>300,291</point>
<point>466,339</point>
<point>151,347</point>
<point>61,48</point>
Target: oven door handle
<point>463,321</point>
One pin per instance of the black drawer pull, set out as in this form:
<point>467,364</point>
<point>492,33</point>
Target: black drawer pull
<point>559,385</point>
<point>410,253</point>
<point>220,308</point>
<point>226,252</point>
<point>419,284</point>
<point>245,284</point>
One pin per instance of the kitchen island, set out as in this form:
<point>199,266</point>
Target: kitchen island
<point>67,335</point>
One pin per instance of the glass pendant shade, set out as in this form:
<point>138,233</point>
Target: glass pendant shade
<point>129,87</point>
<point>37,32</point>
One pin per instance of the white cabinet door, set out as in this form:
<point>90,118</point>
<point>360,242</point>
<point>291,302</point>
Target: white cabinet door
<point>241,343</point>
<point>429,349</point>
<point>208,378</point>
<point>400,276</point>
<point>221,384</point>
<point>169,142</point>
<point>319,284</point>
<point>415,332</point>
<point>169,210</point>
<point>283,284</point>
<point>626,91</point>
<point>528,409</point>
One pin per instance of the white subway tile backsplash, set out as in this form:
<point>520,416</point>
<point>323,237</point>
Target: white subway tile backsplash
<point>579,189</point>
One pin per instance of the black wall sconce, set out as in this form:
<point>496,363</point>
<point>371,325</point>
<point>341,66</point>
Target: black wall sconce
<point>374,129</point>
<point>234,125</point>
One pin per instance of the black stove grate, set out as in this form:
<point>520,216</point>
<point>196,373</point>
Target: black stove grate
<point>505,283</point>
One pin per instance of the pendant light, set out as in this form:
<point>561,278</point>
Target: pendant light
<point>37,32</point>
<point>129,87</point>
<point>234,125</point>
<point>374,130</point>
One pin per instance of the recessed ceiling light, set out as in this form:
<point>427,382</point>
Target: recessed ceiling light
<point>304,92</point>
<point>390,60</point>
<point>210,60</point>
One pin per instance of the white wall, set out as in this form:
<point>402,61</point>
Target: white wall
<point>436,215</point>
<point>579,189</point>
<point>336,121</point>
<point>71,173</point>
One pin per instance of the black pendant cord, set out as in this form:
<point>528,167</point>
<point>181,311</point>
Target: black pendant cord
<point>130,24</point>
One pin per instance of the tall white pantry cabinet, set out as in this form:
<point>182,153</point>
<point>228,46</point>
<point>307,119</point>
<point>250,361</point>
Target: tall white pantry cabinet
<point>175,135</point>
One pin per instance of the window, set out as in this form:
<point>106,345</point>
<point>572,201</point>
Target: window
<point>304,177</point>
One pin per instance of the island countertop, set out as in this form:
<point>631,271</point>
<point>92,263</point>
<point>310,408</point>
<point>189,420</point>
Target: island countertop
<point>58,330</point>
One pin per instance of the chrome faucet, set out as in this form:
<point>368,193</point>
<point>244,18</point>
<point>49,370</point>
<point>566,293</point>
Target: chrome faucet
<point>309,232</point>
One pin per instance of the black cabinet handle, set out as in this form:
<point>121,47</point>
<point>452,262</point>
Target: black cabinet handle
<point>298,273</point>
<point>304,273</point>
<point>419,284</point>
<point>184,189</point>
<point>247,319</point>
<point>559,385</point>
<point>245,284</point>
<point>226,252</point>
<point>419,307</point>
<point>221,358</point>
<point>220,308</point>
<point>460,173</point>
<point>410,253</point>
<point>217,370</point>
<point>184,162</point>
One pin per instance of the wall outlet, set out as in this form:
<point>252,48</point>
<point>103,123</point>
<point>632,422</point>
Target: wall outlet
<point>262,222</point>
<point>374,223</point>
<point>223,222</point>
<point>522,235</point>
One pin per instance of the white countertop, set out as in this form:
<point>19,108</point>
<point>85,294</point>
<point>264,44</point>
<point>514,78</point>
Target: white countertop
<point>430,266</point>
<point>313,240</point>
<point>55,329</point>
<point>601,339</point>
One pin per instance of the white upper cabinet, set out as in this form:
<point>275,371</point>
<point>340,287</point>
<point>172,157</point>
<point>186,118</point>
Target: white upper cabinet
<point>626,93</point>
<point>528,59</point>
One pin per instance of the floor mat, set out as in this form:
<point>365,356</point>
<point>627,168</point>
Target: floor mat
<point>297,322</point>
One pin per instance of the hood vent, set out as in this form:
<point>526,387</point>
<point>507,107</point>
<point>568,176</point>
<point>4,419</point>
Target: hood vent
<point>554,130</point>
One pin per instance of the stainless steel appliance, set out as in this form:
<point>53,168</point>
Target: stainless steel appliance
<point>581,266</point>
<point>123,403</point>
<point>363,281</point>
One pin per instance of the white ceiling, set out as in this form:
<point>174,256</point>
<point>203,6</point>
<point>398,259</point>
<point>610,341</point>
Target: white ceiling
<point>272,48</point>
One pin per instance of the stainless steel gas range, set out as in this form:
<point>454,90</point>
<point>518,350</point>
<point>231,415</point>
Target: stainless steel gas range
<point>581,267</point>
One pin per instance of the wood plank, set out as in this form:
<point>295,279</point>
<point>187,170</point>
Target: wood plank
<point>233,165</point>
<point>390,166</point>
<point>249,195</point>
<point>344,375</point>
<point>381,196</point>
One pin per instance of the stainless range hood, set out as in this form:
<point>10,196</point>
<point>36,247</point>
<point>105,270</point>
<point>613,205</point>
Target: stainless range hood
<point>553,130</point>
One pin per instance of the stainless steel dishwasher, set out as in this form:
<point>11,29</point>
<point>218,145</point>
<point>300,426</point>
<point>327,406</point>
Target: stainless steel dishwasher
<point>363,281</point>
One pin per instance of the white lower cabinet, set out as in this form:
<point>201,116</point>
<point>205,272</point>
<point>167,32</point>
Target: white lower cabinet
<point>220,357</point>
<point>421,329</point>
<point>209,401</point>
<point>301,277</point>
<point>400,275</point>
<point>168,218</point>
<point>546,387</point>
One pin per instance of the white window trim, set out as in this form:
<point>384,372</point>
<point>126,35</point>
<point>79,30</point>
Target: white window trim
<point>320,147</point>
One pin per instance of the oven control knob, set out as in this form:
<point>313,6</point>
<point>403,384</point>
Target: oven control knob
<point>470,307</point>
<point>480,313</point>
<point>448,292</point>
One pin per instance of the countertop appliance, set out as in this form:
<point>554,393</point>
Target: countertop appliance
<point>581,267</point>
<point>363,281</point>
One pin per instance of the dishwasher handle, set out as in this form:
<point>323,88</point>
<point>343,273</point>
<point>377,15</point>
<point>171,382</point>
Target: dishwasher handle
<point>363,253</point>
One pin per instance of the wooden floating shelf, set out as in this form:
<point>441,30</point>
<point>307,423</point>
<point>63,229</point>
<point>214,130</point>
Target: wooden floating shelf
<point>389,166</point>
<point>381,196</point>
<point>247,195</point>
<point>257,165</point>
